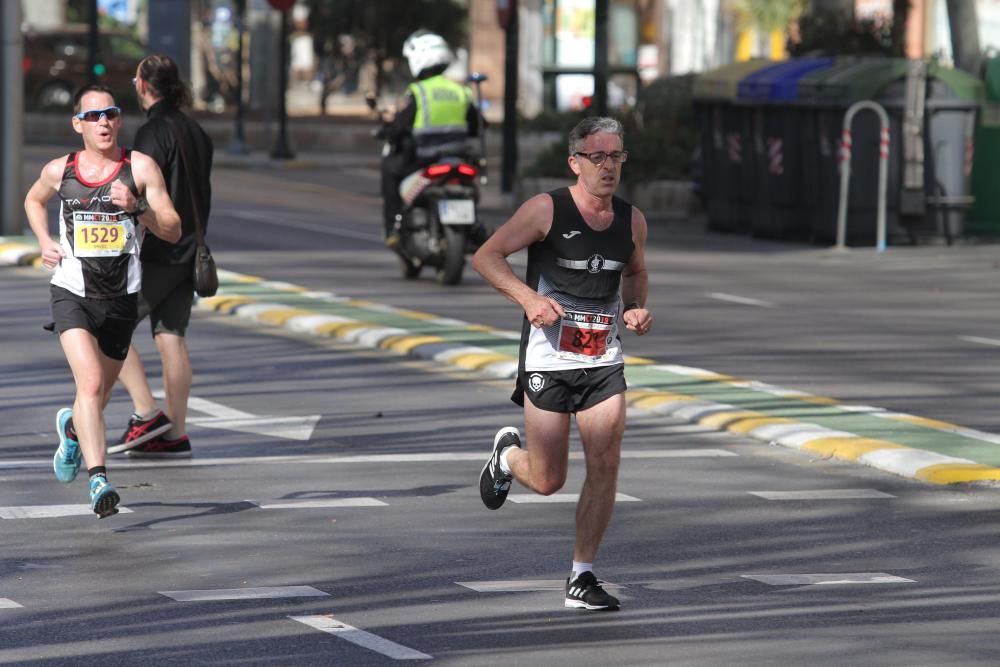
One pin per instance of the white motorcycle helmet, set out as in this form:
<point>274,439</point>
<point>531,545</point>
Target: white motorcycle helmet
<point>423,50</point>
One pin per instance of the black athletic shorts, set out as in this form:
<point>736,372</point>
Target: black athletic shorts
<point>166,297</point>
<point>110,321</point>
<point>569,391</point>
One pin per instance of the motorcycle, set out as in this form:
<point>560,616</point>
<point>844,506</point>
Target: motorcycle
<point>440,217</point>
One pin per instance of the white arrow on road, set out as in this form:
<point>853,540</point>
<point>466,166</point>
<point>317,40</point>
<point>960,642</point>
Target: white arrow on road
<point>230,419</point>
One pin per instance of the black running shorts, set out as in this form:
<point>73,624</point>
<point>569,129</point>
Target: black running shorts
<point>166,297</point>
<point>110,321</point>
<point>569,391</point>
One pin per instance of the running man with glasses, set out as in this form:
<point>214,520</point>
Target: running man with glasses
<point>108,196</point>
<point>586,271</point>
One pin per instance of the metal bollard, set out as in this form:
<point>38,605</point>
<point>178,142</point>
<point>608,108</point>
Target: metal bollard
<point>845,172</point>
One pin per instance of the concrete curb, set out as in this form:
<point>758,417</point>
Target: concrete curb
<point>499,360</point>
<point>763,412</point>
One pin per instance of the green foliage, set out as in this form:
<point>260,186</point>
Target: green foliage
<point>380,27</point>
<point>660,135</point>
<point>767,15</point>
<point>833,33</point>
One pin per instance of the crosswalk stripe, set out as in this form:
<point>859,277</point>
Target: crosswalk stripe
<point>7,603</point>
<point>319,503</point>
<point>362,638</point>
<point>49,511</point>
<point>828,579</point>
<point>255,593</point>
<point>822,494</point>
<point>563,498</point>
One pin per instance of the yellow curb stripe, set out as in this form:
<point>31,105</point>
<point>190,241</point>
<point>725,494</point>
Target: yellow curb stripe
<point>476,360</point>
<point>37,262</point>
<point>479,328</point>
<point>226,304</point>
<point>848,448</point>
<point>404,344</point>
<point>279,316</point>
<point>4,247</point>
<point>818,400</point>
<point>750,423</point>
<point>638,361</point>
<point>417,315</point>
<point>955,473</point>
<point>248,279</point>
<point>340,329</point>
<point>721,420</point>
<point>652,400</point>
<point>925,421</point>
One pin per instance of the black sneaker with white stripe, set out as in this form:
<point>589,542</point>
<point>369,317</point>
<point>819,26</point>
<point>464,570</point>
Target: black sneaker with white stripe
<point>494,483</point>
<point>585,592</point>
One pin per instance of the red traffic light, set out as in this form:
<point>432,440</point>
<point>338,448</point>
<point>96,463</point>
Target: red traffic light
<point>281,5</point>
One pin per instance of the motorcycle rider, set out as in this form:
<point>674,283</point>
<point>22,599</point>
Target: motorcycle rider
<point>437,118</point>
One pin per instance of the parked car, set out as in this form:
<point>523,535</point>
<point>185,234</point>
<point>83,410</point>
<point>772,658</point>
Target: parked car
<point>56,65</point>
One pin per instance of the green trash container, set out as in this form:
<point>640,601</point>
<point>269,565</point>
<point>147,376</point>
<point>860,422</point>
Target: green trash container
<point>951,100</point>
<point>725,145</point>
<point>984,216</point>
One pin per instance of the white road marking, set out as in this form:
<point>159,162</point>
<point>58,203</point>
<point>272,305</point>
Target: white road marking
<point>7,603</point>
<point>319,503</point>
<point>825,494</point>
<point>49,511</point>
<point>522,585</point>
<point>230,419</point>
<point>742,300</point>
<point>563,498</point>
<point>372,642</point>
<point>981,341</point>
<point>258,593</point>
<point>828,579</point>
<point>430,457</point>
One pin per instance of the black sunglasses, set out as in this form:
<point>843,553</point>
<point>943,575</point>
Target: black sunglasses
<point>94,115</point>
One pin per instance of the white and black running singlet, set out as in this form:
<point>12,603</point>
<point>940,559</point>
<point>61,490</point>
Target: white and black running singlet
<point>101,241</point>
<point>580,269</point>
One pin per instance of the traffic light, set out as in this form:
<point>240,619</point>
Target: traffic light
<point>99,70</point>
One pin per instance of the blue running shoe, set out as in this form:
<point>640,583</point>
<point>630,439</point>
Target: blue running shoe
<point>67,459</point>
<point>103,497</point>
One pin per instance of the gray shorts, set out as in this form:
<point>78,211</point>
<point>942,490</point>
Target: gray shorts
<point>569,391</point>
<point>110,321</point>
<point>167,296</point>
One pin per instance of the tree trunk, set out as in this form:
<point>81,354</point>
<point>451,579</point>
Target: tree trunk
<point>964,35</point>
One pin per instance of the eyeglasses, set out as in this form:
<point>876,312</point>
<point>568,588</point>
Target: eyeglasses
<point>598,158</point>
<point>94,115</point>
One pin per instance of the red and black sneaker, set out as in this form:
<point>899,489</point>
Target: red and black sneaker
<point>162,448</point>
<point>140,431</point>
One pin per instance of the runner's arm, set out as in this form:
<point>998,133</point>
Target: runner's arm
<point>635,280</point>
<point>38,196</point>
<point>160,218</point>
<point>529,224</point>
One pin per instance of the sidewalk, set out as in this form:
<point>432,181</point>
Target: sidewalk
<point>903,444</point>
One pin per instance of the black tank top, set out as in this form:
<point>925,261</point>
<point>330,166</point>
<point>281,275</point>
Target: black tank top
<point>101,240</point>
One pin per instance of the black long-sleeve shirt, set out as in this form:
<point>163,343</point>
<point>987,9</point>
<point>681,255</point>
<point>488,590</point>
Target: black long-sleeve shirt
<point>158,139</point>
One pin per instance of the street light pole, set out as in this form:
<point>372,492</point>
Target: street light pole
<point>509,166</point>
<point>238,145</point>
<point>601,57</point>
<point>281,150</point>
<point>12,117</point>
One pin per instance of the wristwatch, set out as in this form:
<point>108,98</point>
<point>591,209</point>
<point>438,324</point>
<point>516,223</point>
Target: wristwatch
<point>141,207</point>
<point>631,306</point>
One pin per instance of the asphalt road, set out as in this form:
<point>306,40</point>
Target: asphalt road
<point>369,497</point>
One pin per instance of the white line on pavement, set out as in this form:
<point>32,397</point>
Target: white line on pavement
<point>258,593</point>
<point>742,300</point>
<point>828,579</point>
<point>7,603</point>
<point>981,341</point>
<point>49,511</point>
<point>327,623</point>
<point>430,457</point>
<point>824,494</point>
<point>563,498</point>
<point>521,585</point>
<point>319,503</point>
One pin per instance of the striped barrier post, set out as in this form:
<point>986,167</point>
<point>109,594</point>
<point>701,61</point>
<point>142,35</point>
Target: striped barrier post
<point>845,172</point>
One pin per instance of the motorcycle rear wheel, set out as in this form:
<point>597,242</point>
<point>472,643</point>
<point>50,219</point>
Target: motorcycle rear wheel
<point>453,254</point>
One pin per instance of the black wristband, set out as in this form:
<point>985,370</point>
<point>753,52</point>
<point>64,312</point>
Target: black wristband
<point>141,207</point>
<point>631,306</point>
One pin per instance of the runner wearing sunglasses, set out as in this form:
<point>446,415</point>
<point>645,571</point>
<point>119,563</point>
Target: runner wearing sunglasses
<point>108,197</point>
